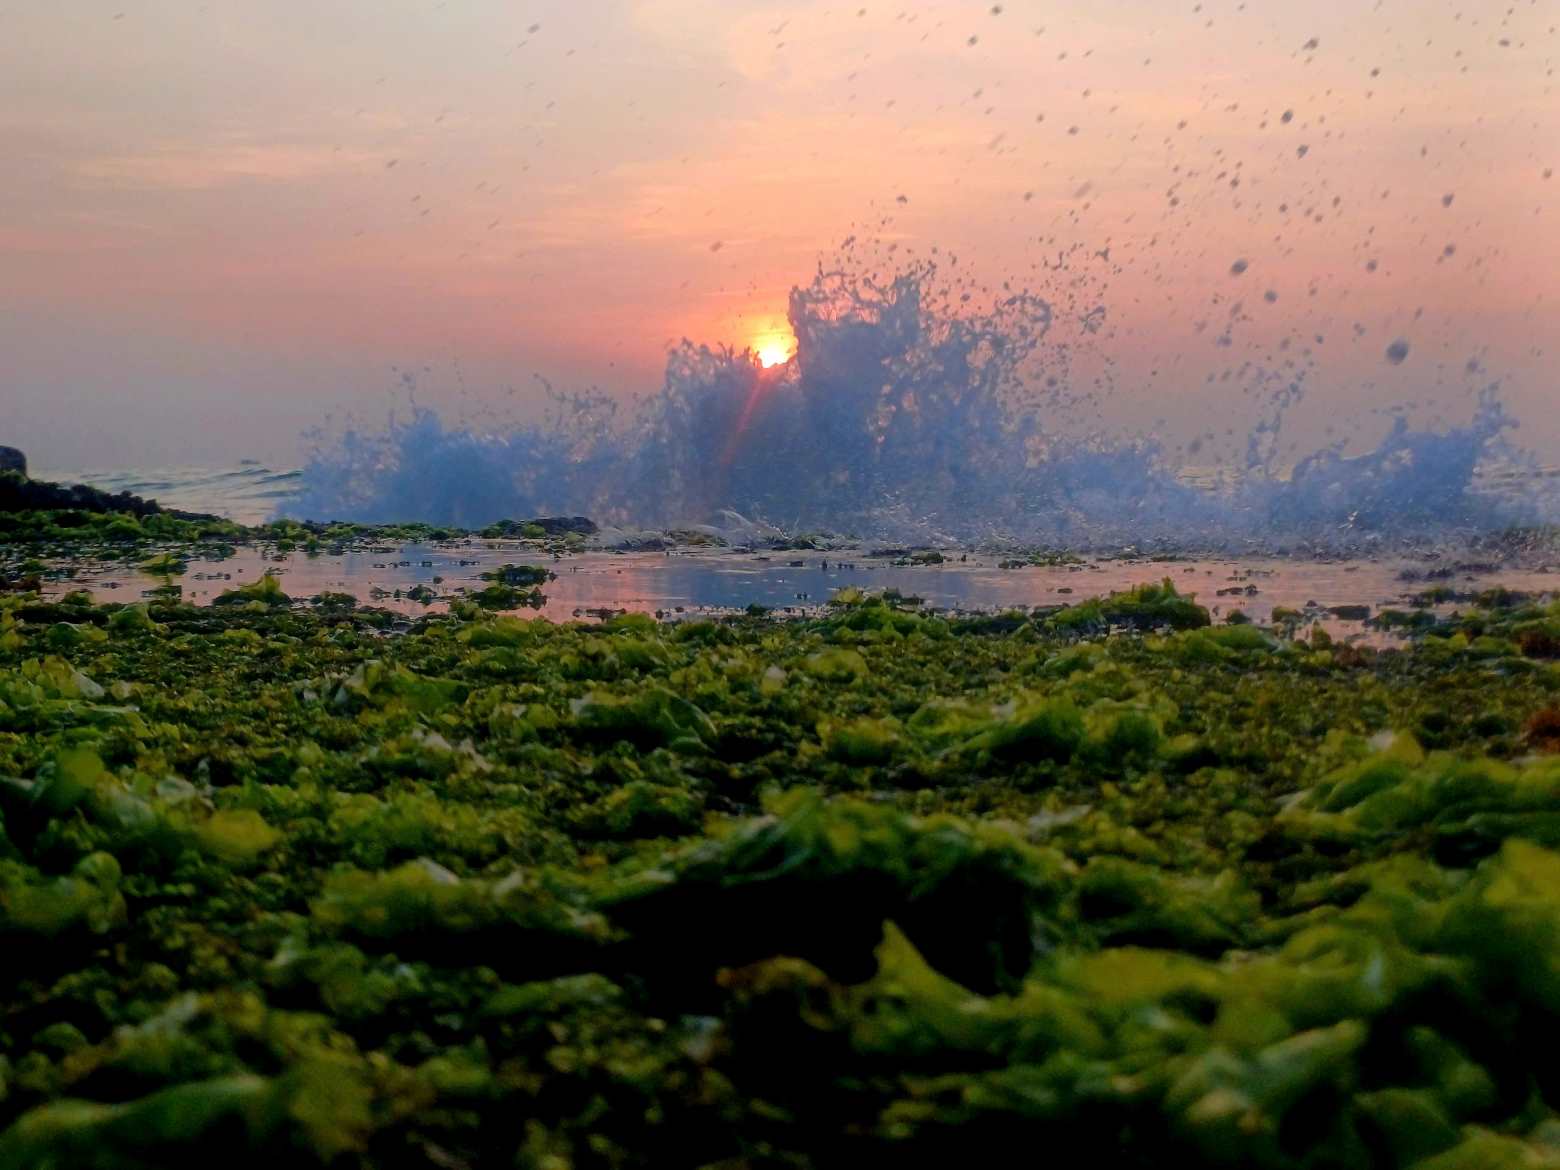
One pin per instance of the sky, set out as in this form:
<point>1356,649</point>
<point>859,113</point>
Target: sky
<point>226,223</point>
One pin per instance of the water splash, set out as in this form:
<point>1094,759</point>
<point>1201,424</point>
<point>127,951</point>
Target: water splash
<point>908,414</point>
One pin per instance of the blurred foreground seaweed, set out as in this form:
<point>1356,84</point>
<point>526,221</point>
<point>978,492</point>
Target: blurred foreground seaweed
<point>1104,883</point>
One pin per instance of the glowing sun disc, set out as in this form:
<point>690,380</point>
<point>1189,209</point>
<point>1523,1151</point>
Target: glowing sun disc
<point>773,353</point>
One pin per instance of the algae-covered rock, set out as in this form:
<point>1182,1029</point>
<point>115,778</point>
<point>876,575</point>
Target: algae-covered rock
<point>1232,1110</point>
<point>819,879</point>
<point>421,905</point>
<point>1145,606</point>
<point>88,899</point>
<point>319,1109</point>
<point>237,837</point>
<point>1508,919</point>
<point>1131,903</point>
<point>1032,729</point>
<point>211,1119</point>
<point>836,664</point>
<point>863,741</point>
<point>1468,808</point>
<point>519,576</point>
<point>267,591</point>
<point>379,684</point>
<point>542,526</point>
<point>653,717</point>
<point>1482,1149</point>
<point>642,809</point>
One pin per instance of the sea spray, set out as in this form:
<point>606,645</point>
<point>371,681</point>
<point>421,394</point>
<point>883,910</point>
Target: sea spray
<point>907,414</point>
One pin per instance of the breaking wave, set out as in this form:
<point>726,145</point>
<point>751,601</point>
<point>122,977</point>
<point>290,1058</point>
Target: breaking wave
<point>906,414</point>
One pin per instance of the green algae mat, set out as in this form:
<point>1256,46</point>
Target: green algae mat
<point>1110,886</point>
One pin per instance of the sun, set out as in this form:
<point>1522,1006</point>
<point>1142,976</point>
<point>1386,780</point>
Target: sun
<point>773,351</point>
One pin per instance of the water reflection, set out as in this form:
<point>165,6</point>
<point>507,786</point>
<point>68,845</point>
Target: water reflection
<point>685,583</point>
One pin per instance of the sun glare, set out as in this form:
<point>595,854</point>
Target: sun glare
<point>773,351</point>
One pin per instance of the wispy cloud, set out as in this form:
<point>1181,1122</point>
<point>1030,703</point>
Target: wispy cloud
<point>185,167</point>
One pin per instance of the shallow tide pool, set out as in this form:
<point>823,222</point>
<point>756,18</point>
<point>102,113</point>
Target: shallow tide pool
<point>697,581</point>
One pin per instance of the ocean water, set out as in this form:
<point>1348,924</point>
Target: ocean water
<point>249,493</point>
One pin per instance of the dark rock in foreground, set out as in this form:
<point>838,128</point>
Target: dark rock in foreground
<point>12,459</point>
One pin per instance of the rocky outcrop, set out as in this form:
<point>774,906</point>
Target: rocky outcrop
<point>550,526</point>
<point>13,460</point>
<point>564,525</point>
<point>32,495</point>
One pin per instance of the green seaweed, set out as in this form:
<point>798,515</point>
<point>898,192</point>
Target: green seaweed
<point>267,591</point>
<point>1146,606</point>
<point>869,886</point>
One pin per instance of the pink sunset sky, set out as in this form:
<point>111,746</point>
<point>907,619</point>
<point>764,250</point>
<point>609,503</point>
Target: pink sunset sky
<point>223,222</point>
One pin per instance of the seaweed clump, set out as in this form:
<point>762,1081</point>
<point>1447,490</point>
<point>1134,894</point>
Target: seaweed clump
<point>1144,607</point>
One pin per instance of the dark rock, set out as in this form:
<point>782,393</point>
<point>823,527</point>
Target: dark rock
<point>564,525</point>
<point>519,575</point>
<point>13,460</point>
<point>1350,613</point>
<point>32,495</point>
<point>550,526</point>
<point>644,542</point>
